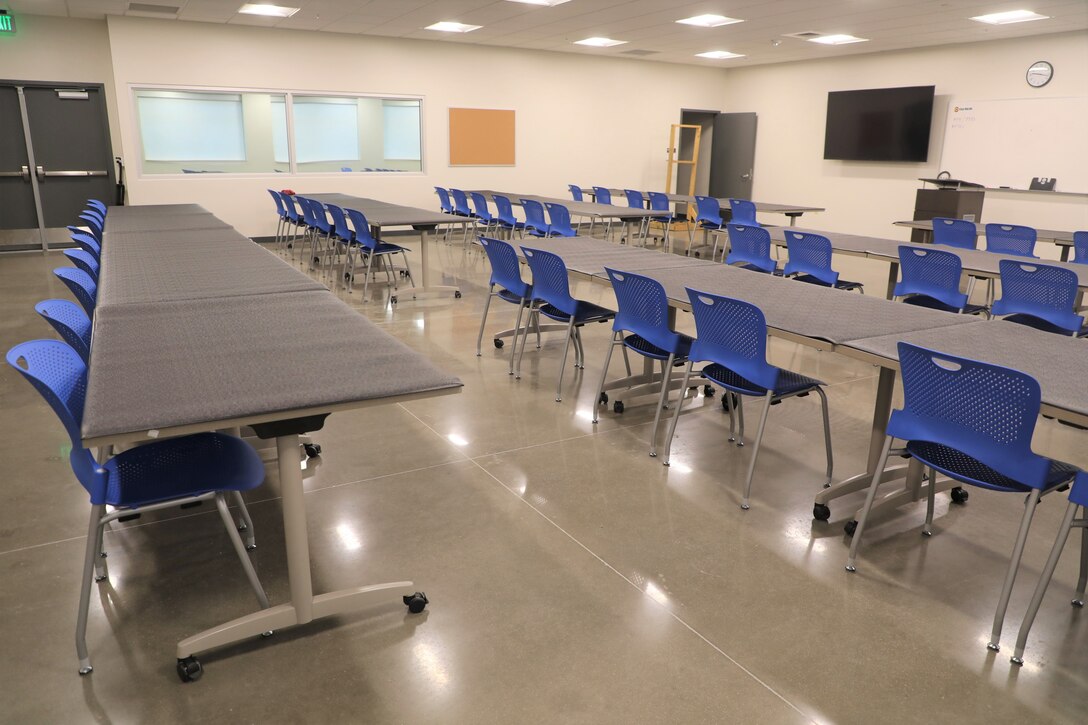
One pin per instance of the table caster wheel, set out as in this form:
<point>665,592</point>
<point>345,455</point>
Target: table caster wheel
<point>393,300</point>
<point>498,344</point>
<point>417,602</point>
<point>959,495</point>
<point>313,450</point>
<point>617,407</point>
<point>821,512</point>
<point>603,400</point>
<point>190,669</point>
<point>850,528</point>
<point>708,391</point>
<point>457,295</point>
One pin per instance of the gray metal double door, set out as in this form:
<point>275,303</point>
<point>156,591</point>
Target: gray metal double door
<point>55,153</point>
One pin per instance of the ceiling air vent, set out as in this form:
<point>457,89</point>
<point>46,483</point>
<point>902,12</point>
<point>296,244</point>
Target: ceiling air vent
<point>639,53</point>
<point>803,35</point>
<point>148,10</point>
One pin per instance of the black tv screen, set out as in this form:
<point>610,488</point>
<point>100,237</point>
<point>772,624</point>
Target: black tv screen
<point>880,124</point>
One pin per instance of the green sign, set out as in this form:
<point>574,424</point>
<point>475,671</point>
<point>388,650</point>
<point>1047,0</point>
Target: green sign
<point>7,23</point>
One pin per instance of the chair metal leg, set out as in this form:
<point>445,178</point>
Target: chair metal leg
<point>408,270</point>
<point>755,453</point>
<point>852,557</point>
<point>676,413</point>
<point>1044,582</point>
<point>579,351</point>
<point>666,378</point>
<point>563,362</point>
<point>604,372</point>
<point>245,523</point>
<point>240,549</point>
<point>740,419</point>
<point>931,497</point>
<point>366,274</point>
<point>732,415</point>
<point>521,350</point>
<point>1078,597</point>
<point>101,568</point>
<point>89,557</point>
<point>1014,565</point>
<point>517,327</point>
<point>827,436</point>
<point>483,319</point>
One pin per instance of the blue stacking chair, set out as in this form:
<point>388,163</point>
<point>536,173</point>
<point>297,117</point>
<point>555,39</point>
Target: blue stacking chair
<point>602,195</point>
<point>1080,247</point>
<point>281,214</point>
<point>82,286</point>
<point>444,202</point>
<point>84,260</point>
<point>551,290</point>
<point>973,422</point>
<point>1039,295</point>
<point>462,209</point>
<point>559,221</point>
<point>70,322</point>
<point>1078,499</point>
<point>94,232</point>
<point>148,477</point>
<point>642,325</point>
<point>296,220</point>
<point>743,212</point>
<point>810,261</point>
<point>341,237</point>
<point>482,213</point>
<point>636,200</point>
<point>366,244</point>
<point>1010,239</point>
<point>504,212</point>
<point>731,335</point>
<point>98,206</point>
<point>86,242</point>
<point>708,217</point>
<point>660,202</point>
<point>931,278</point>
<point>750,248</point>
<point>955,233</point>
<point>320,229</point>
<point>576,192</point>
<point>506,284</point>
<point>535,222</point>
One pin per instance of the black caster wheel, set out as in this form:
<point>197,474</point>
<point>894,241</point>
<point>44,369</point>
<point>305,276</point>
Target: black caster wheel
<point>313,450</point>
<point>617,407</point>
<point>417,602</point>
<point>393,300</point>
<point>708,391</point>
<point>498,344</point>
<point>457,295</point>
<point>959,495</point>
<point>403,274</point>
<point>821,512</point>
<point>850,528</point>
<point>603,400</point>
<point>726,403</point>
<point>190,669</point>
<point>290,246</point>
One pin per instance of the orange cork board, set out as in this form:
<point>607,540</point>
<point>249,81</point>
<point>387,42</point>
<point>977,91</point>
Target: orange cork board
<point>481,137</point>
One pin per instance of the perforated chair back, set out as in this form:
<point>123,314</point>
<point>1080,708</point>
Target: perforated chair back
<point>643,309</point>
<point>810,254</point>
<point>534,217</point>
<point>550,281</point>
<point>88,230</point>
<point>307,207</point>
<point>98,205</point>
<point>320,216</point>
<point>731,333</point>
<point>460,203</point>
<point>1080,247</point>
<point>85,241</point>
<point>362,234</point>
<point>1042,291</point>
<point>635,199</point>
<point>559,221</point>
<point>340,228</point>
<point>479,203</point>
<point>751,246</point>
<point>708,213</point>
<point>603,195</point>
<point>660,202</point>
<point>70,322</point>
<point>444,202</point>
<point>84,260</point>
<point>985,411</point>
<point>505,267</point>
<point>82,286</point>
<point>955,233</point>
<point>278,199</point>
<point>744,212</point>
<point>933,273</point>
<point>1010,239</point>
<point>504,210</point>
<point>290,208</point>
<point>576,192</point>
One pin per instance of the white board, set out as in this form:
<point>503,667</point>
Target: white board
<point>1007,142</point>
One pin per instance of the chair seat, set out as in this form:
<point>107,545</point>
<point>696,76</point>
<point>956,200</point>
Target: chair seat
<point>644,347</point>
<point>777,272</point>
<point>963,467</point>
<point>926,301</point>
<point>585,312</point>
<point>384,248</point>
<point>509,296</point>
<point>841,284</point>
<point>179,467</point>
<point>788,381</point>
<point>512,225</point>
<point>1041,324</point>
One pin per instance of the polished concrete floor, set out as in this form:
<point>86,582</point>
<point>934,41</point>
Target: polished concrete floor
<point>572,577</point>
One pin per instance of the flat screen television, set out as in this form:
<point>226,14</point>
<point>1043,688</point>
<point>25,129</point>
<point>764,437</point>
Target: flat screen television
<point>879,124</point>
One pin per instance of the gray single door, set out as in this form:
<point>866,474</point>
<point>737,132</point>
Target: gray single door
<point>18,216</point>
<point>733,155</point>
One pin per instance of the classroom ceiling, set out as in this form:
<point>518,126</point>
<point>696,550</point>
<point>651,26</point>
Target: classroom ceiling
<point>648,26</point>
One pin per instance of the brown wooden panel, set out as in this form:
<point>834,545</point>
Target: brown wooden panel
<point>481,137</point>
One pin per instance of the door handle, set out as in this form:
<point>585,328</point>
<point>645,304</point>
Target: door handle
<point>79,172</point>
<point>746,176</point>
<point>13,174</point>
<point>41,172</point>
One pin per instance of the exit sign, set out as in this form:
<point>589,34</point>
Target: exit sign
<point>7,23</point>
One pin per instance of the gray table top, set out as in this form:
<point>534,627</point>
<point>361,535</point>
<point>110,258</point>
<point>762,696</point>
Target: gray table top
<point>159,222</point>
<point>590,256</point>
<point>120,212</point>
<point>1047,235</point>
<point>384,214</point>
<point>764,206</point>
<point>577,208</point>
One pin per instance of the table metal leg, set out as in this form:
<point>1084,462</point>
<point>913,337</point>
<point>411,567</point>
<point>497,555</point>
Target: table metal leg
<point>427,287</point>
<point>893,279</point>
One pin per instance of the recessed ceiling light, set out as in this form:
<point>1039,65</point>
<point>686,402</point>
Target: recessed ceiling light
<point>448,26</point>
<point>718,55</point>
<point>1011,16</point>
<point>600,42</point>
<point>709,21</point>
<point>837,39</point>
<point>271,11</point>
<point>548,3</point>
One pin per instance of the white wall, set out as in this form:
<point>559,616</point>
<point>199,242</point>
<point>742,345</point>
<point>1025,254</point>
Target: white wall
<point>865,197</point>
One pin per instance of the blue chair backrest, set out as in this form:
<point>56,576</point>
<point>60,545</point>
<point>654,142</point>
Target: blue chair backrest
<point>91,231</point>
<point>70,322</point>
<point>732,333</point>
<point>550,281</point>
<point>85,241</point>
<point>559,220</point>
<point>479,202</point>
<point>321,217</point>
<point>708,212</point>
<point>60,375</point>
<point>504,209</point>
<point>460,202</point>
<point>277,198</point>
<point>604,196</point>
<point>955,233</point>
<point>1080,247</point>
<point>289,207</point>
<point>307,211</point>
<point>660,202</point>
<point>986,411</point>
<point>362,229</point>
<point>339,223</point>
<point>505,267</point>
<point>94,221</point>
<point>1040,290</point>
<point>931,272</point>
<point>635,199</point>
<point>810,254</point>
<point>534,216</point>
<point>82,286</point>
<point>750,245</point>
<point>576,192</point>
<point>444,202</point>
<point>96,204</point>
<point>345,168</point>
<point>1010,239</point>
<point>744,212</point>
<point>643,309</point>
<point>84,260</point>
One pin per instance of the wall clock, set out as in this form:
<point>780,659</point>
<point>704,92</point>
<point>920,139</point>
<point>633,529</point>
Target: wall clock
<point>1039,74</point>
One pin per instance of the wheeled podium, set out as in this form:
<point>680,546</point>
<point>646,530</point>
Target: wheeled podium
<point>953,198</point>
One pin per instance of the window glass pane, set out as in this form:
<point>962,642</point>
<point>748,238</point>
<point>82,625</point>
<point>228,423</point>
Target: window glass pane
<point>279,130</point>
<point>326,133</point>
<point>402,130</point>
